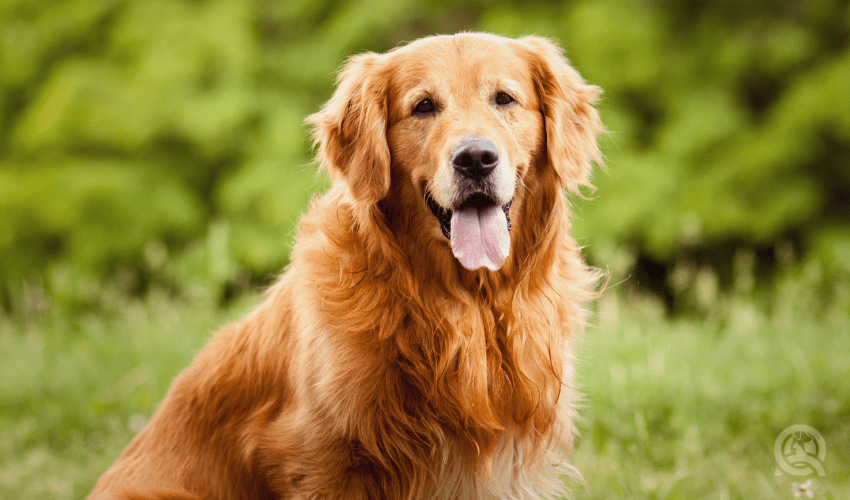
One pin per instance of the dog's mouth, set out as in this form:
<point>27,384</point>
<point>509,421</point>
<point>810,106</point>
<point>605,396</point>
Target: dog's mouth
<point>477,229</point>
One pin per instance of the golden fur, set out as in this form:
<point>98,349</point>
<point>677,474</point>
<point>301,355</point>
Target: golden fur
<point>378,367</point>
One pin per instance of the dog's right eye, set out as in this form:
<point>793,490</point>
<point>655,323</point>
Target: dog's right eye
<point>424,107</point>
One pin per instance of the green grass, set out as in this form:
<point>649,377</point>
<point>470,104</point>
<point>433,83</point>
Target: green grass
<point>691,408</point>
<point>675,409</point>
<point>75,389</point>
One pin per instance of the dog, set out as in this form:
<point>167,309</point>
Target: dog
<point>419,343</point>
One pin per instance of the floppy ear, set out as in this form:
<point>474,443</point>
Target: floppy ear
<point>566,102</point>
<point>351,128</point>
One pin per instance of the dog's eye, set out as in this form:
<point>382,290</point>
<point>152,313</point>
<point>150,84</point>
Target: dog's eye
<point>503,99</point>
<point>424,107</point>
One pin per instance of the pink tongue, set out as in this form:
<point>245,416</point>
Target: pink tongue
<point>480,237</point>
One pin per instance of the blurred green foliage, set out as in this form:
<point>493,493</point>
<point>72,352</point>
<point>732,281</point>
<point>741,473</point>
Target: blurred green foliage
<point>162,140</point>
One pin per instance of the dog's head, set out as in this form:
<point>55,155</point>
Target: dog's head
<point>457,125</point>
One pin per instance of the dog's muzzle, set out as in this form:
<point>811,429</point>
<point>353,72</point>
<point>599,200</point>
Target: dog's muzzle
<point>477,226</point>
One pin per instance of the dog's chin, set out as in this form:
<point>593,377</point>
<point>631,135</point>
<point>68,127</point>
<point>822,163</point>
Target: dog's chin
<point>478,200</point>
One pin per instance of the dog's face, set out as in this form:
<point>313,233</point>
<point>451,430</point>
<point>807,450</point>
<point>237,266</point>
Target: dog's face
<point>462,121</point>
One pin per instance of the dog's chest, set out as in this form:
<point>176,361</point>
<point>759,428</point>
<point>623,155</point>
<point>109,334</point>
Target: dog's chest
<point>507,478</point>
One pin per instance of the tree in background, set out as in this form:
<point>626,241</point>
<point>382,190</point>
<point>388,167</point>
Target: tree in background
<point>161,141</point>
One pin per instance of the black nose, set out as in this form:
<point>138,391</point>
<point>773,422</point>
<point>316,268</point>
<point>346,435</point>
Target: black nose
<point>475,157</point>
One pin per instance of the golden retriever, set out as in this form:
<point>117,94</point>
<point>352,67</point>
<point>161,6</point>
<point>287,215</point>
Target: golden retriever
<point>418,346</point>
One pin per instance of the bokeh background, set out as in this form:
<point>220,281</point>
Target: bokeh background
<point>154,162</point>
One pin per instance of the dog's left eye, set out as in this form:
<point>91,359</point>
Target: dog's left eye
<point>424,107</point>
<point>503,99</point>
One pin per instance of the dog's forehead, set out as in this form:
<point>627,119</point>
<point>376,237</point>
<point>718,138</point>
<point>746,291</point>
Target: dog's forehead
<point>459,60</point>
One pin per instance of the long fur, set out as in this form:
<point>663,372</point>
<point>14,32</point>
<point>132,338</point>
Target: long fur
<point>376,367</point>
